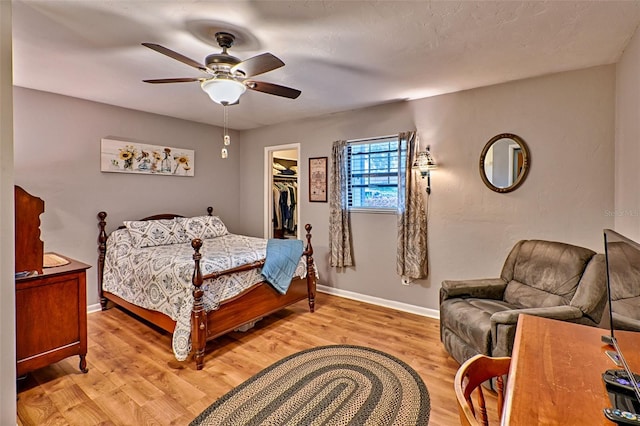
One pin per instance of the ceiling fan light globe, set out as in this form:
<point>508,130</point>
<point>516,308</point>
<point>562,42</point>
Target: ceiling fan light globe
<point>223,91</point>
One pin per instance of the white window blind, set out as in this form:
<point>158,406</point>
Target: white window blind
<point>372,169</point>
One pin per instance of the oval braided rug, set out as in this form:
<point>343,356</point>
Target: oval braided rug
<point>327,385</point>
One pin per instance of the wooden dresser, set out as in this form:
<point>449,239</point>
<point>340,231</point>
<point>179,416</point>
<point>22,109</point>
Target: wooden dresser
<point>51,317</point>
<point>51,302</point>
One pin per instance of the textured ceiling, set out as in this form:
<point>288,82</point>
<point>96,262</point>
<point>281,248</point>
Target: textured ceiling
<point>343,55</point>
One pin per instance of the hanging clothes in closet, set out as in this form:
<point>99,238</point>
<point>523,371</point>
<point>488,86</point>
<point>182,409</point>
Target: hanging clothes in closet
<point>285,196</point>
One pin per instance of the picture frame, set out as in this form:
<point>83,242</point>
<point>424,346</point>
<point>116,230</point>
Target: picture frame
<point>117,156</point>
<point>318,179</point>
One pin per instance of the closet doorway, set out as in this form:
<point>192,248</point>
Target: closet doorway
<point>282,207</point>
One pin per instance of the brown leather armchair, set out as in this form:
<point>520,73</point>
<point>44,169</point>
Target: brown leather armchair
<point>544,278</point>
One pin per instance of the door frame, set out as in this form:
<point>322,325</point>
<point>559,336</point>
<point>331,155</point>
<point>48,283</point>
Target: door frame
<point>268,184</point>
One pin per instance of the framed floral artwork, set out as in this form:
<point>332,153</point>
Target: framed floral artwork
<point>318,179</point>
<point>133,157</point>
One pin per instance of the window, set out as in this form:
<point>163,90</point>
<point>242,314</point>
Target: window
<point>373,173</point>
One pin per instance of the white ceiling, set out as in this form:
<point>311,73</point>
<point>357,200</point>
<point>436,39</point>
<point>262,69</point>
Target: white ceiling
<point>343,55</point>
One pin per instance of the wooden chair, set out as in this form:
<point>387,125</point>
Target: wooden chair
<point>469,378</point>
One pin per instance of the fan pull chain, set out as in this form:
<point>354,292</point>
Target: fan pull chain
<point>226,138</point>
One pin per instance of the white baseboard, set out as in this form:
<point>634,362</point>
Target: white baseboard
<point>405,307</point>
<point>94,308</point>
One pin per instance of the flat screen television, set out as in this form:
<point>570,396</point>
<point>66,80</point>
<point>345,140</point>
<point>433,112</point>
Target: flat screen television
<point>622,275</point>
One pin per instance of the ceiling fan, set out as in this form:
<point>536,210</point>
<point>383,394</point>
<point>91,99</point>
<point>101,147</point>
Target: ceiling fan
<point>228,77</point>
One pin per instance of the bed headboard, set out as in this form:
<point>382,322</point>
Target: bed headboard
<point>165,216</point>
<point>157,217</point>
<point>102,243</point>
<point>29,248</point>
<point>171,215</point>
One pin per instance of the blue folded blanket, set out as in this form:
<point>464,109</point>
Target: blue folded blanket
<point>281,261</point>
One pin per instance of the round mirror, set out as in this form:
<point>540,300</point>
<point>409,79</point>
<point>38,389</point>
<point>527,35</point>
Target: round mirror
<point>504,162</point>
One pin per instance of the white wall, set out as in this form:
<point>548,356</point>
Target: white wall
<point>566,119</point>
<point>7,264</point>
<point>627,145</point>
<point>57,158</point>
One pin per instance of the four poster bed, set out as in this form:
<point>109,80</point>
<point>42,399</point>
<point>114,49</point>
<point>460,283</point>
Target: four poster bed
<point>192,278</point>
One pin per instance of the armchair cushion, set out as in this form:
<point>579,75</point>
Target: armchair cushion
<point>526,296</point>
<point>469,320</point>
<point>546,273</point>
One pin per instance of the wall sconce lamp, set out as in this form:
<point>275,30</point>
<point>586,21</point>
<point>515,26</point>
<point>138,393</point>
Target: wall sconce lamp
<point>424,162</point>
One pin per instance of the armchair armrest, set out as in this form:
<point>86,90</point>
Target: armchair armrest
<point>625,323</point>
<point>564,313</point>
<point>503,324</point>
<point>485,288</point>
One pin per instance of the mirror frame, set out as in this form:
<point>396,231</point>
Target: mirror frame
<point>525,162</point>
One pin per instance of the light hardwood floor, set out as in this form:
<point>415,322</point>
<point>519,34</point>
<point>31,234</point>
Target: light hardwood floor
<point>134,379</point>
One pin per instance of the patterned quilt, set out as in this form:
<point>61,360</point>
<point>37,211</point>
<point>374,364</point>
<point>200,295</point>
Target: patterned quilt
<point>159,277</point>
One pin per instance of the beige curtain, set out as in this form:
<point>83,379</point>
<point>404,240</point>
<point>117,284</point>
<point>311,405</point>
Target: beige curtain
<point>411,260</point>
<point>339,230</point>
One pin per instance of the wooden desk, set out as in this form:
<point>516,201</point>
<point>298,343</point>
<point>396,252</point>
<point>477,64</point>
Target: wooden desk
<point>51,317</point>
<point>556,373</point>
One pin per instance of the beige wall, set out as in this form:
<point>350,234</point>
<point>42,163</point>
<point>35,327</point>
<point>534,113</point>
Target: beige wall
<point>57,158</point>
<point>566,119</point>
<point>627,146</point>
<point>7,292</point>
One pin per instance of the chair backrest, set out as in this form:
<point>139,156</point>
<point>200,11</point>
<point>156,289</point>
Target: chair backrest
<point>543,273</point>
<point>468,383</point>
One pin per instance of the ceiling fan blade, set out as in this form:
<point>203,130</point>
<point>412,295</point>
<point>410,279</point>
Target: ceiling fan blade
<point>172,80</point>
<point>258,65</point>
<point>175,55</point>
<point>273,89</point>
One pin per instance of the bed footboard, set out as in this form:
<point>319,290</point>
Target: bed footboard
<point>266,301</point>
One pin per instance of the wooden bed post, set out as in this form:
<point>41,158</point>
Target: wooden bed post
<point>198,314</point>
<point>102,249</point>
<point>311,272</point>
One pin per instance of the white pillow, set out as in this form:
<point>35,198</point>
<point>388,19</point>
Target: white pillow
<point>203,227</point>
<point>149,233</point>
